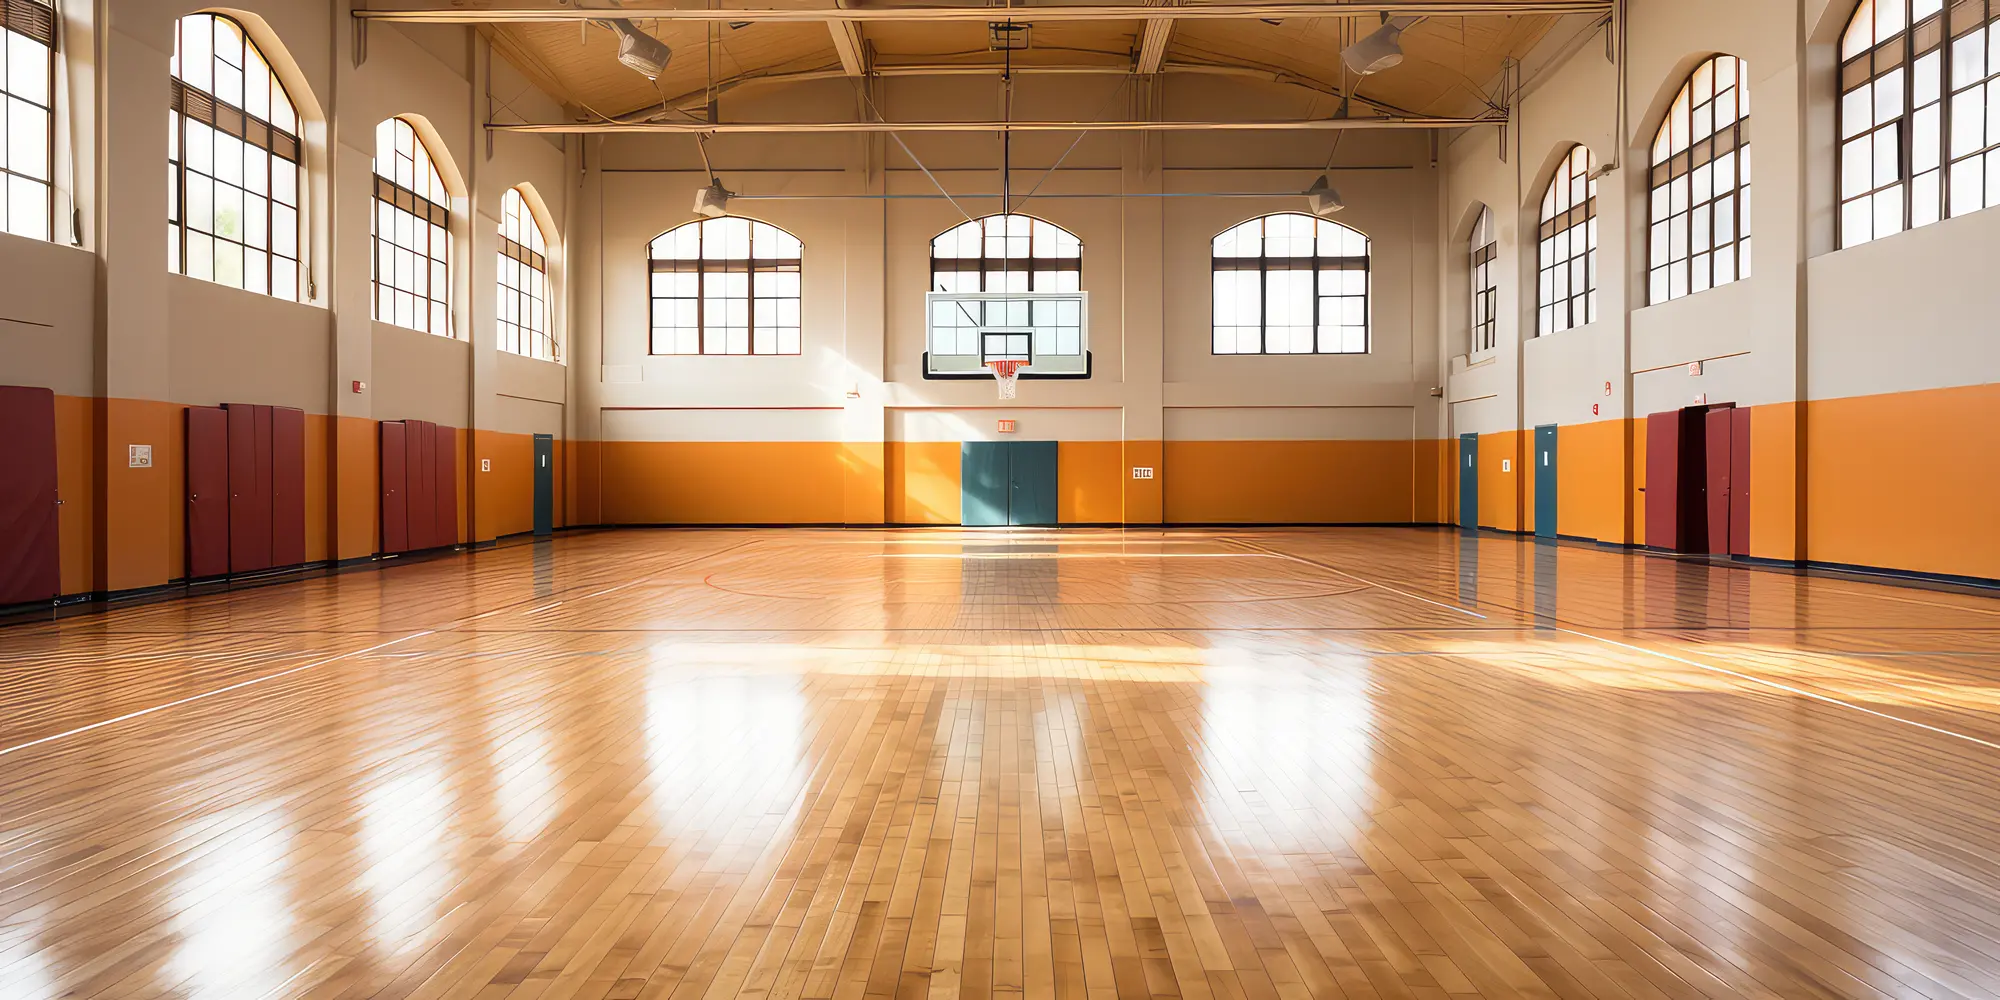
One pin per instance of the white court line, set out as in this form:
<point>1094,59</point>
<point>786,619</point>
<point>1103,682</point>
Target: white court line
<point>1380,586</point>
<point>1787,688</point>
<point>1774,685</point>
<point>460,623</point>
<point>210,694</point>
<point>1075,555</point>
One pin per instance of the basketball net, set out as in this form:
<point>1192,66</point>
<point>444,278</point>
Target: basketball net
<point>1006,371</point>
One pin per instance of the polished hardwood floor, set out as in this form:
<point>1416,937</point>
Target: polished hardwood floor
<point>1083,764</point>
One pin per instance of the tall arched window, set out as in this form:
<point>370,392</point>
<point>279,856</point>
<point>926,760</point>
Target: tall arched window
<point>1291,284</point>
<point>1700,215</point>
<point>523,313</point>
<point>27,93</point>
<point>233,156</point>
<point>1567,251</point>
<point>1006,253</point>
<point>726,286</point>
<point>1485,284</point>
<point>1919,115</point>
<point>412,268</point>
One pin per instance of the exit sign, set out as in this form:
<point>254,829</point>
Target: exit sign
<point>1006,427</point>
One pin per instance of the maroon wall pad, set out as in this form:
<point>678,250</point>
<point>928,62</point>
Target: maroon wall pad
<point>207,492</point>
<point>249,534</point>
<point>1719,422</point>
<point>264,492</point>
<point>30,553</point>
<point>1739,481</point>
<point>445,524</point>
<point>1663,451</point>
<point>288,486</point>
<point>395,523</point>
<point>417,463</point>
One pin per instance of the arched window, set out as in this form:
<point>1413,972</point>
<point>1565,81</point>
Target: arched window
<point>1701,184</point>
<point>1006,253</point>
<point>233,156</point>
<point>1485,284</point>
<point>1919,115</point>
<point>1291,284</point>
<point>523,313</point>
<point>412,268</point>
<point>1567,251</point>
<point>726,286</point>
<point>27,92</point>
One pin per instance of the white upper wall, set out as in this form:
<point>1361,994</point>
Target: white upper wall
<point>1899,314</point>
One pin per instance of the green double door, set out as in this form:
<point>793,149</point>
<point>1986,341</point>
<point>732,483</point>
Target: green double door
<point>1007,482</point>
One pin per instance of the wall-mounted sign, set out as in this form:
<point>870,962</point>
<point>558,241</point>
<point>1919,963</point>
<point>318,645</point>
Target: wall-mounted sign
<point>1006,427</point>
<point>1142,472</point>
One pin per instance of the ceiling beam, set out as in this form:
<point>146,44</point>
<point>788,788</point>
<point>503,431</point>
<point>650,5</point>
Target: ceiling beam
<point>1153,45</point>
<point>1304,124</point>
<point>847,42</point>
<point>415,10</point>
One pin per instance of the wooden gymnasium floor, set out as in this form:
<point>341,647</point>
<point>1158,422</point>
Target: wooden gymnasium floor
<point>1094,764</point>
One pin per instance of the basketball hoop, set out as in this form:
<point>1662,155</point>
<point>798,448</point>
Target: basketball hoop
<point>1006,371</point>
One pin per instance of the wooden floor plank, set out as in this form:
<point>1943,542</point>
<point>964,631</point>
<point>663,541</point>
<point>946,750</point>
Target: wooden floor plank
<point>1035,765</point>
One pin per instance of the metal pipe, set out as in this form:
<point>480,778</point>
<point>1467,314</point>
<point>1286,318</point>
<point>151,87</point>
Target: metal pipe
<point>751,128</point>
<point>1101,12</point>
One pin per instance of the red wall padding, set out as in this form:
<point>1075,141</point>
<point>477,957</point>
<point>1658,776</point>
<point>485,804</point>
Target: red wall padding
<point>288,486</point>
<point>249,487</point>
<point>444,524</point>
<point>421,477</point>
<point>1663,458</point>
<point>1739,482</point>
<point>207,491</point>
<point>30,555</point>
<point>1718,432</point>
<point>395,518</point>
<point>420,462</point>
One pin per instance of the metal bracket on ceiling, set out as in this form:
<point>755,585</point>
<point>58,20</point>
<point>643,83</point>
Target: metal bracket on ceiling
<point>360,45</point>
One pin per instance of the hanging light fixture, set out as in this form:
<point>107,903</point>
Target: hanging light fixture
<point>640,52</point>
<point>1323,199</point>
<point>711,202</point>
<point>1382,49</point>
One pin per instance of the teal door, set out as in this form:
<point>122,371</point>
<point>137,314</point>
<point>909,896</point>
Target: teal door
<point>1545,481</point>
<point>1468,481</point>
<point>983,483</point>
<point>1032,476</point>
<point>1007,482</point>
<point>545,484</point>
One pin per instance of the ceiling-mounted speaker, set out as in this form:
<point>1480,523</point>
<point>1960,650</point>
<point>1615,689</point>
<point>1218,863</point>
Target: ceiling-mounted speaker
<point>1382,49</point>
<point>1323,199</point>
<point>640,52</point>
<point>712,202</point>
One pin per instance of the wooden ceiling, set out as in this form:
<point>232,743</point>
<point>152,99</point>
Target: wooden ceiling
<point>1448,60</point>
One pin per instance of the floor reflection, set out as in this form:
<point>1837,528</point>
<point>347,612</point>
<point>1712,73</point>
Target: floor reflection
<point>1101,764</point>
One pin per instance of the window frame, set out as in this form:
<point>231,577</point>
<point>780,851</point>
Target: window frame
<point>1482,253</point>
<point>985,265</point>
<point>388,191</point>
<point>1674,165</point>
<point>40,19</point>
<point>702,268</point>
<point>1315,265</point>
<point>1912,38</point>
<point>186,103</point>
<point>1575,169</point>
<point>535,262</point>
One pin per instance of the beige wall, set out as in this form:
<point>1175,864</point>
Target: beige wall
<point>866,263</point>
<point>1889,328</point>
<point>105,319</point>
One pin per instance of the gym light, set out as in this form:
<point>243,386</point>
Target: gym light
<point>640,52</point>
<point>1382,49</point>
<point>712,202</point>
<point>1323,199</point>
